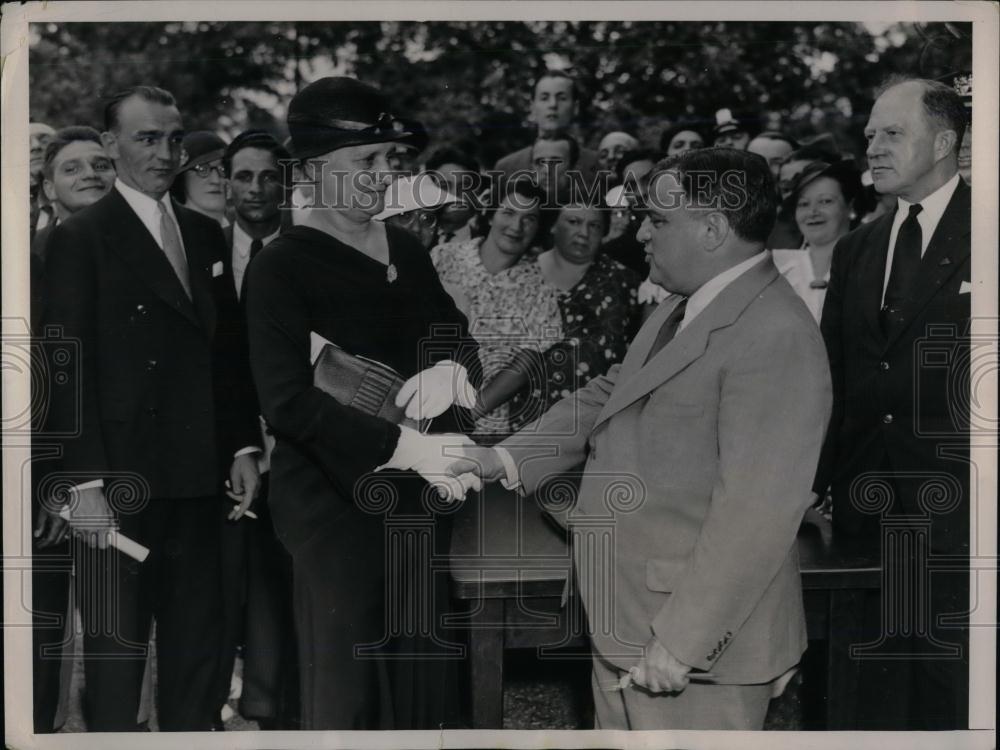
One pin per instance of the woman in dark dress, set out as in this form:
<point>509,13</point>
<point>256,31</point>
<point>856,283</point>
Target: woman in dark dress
<point>370,588</point>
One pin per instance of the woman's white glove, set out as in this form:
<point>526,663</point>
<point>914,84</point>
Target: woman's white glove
<point>650,293</point>
<point>430,456</point>
<point>430,392</point>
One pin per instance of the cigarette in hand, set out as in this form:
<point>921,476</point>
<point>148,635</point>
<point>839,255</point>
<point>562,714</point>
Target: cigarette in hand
<point>247,513</point>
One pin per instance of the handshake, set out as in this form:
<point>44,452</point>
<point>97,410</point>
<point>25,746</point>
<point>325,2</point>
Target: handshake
<point>449,462</point>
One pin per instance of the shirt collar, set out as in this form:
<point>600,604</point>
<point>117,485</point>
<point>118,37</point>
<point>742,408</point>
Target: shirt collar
<point>141,203</point>
<point>932,207</point>
<point>714,286</point>
<point>242,240</point>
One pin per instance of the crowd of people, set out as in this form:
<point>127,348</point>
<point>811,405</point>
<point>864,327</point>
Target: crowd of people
<point>288,346</point>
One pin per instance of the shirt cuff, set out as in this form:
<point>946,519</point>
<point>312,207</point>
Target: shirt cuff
<point>88,485</point>
<point>513,479</point>
<point>245,451</point>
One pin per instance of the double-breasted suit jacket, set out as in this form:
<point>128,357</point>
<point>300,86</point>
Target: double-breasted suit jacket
<point>901,402</point>
<point>698,463</point>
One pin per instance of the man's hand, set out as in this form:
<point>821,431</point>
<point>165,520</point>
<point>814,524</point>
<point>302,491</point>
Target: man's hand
<point>659,671</point>
<point>480,461</point>
<point>244,484</point>
<point>50,528</point>
<point>90,517</point>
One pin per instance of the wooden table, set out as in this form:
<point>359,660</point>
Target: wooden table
<point>511,564</point>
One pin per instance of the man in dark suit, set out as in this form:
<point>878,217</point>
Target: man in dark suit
<point>157,410</point>
<point>554,105</point>
<point>896,456</point>
<point>76,172</point>
<point>258,598</point>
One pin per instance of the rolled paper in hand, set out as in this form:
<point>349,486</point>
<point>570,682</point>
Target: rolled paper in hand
<point>128,546</point>
<point>120,542</point>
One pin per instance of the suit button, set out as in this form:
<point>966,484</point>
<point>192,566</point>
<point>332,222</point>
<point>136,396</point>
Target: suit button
<point>151,411</point>
<point>150,364</point>
<point>884,365</point>
<point>887,419</point>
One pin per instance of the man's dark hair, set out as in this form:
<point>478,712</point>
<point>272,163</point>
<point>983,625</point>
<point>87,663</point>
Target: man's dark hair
<point>777,135</point>
<point>255,139</point>
<point>564,74</point>
<point>636,154</point>
<point>668,135</point>
<point>62,139</point>
<point>152,94</point>
<point>574,148</point>
<point>737,183</point>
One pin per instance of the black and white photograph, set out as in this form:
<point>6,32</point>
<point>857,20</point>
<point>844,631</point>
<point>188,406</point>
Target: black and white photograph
<point>499,374</point>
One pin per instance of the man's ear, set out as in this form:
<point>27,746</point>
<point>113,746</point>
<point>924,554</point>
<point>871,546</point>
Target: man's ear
<point>944,142</point>
<point>715,230</point>
<point>109,139</point>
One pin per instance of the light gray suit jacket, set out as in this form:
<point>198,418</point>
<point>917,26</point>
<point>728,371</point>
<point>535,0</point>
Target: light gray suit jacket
<point>698,470</point>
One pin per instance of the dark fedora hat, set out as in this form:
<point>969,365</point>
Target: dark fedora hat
<point>201,147</point>
<point>335,112</point>
<point>847,175</point>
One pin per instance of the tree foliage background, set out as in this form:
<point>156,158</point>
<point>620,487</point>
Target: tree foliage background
<point>471,81</point>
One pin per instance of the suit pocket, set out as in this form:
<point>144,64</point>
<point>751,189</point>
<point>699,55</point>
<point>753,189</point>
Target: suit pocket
<point>661,575</point>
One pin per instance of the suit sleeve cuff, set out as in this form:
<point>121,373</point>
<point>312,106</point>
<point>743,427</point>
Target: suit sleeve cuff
<point>246,451</point>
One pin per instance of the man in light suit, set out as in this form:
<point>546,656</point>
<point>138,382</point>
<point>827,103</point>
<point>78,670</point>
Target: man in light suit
<point>711,424</point>
<point>896,325</point>
<point>155,414</point>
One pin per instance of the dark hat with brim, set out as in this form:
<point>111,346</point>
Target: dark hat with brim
<point>201,147</point>
<point>847,175</point>
<point>335,112</point>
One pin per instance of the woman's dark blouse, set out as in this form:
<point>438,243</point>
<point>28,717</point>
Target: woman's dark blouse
<point>600,315</point>
<point>307,281</point>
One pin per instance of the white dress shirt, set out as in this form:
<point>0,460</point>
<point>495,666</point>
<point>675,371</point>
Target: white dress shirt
<point>714,286</point>
<point>797,268</point>
<point>933,208</point>
<point>241,252</point>
<point>146,209</point>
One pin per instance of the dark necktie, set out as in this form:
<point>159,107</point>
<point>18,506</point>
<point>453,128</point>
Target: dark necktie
<point>905,264</point>
<point>669,329</point>
<point>255,247</point>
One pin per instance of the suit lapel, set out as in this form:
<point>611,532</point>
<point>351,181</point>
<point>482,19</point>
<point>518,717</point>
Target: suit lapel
<point>948,248</point>
<point>129,237</point>
<point>201,290</point>
<point>871,273</point>
<point>636,380</point>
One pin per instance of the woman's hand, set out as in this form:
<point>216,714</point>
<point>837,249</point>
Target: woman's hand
<point>432,391</point>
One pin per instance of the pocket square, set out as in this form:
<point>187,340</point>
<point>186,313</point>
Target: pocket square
<point>217,269</point>
<point>965,288</point>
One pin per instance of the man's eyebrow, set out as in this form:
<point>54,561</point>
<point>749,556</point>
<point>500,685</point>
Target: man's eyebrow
<point>141,133</point>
